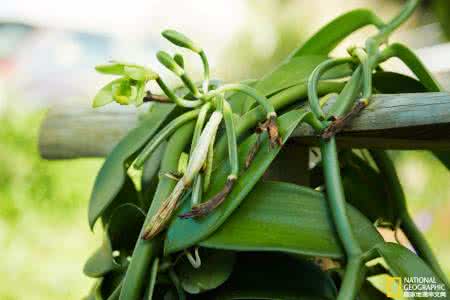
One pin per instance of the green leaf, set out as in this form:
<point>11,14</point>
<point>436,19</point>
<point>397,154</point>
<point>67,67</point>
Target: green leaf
<point>183,233</point>
<point>293,72</point>
<point>150,174</point>
<point>329,36</point>
<point>296,71</point>
<point>144,251</point>
<point>105,95</point>
<point>286,217</point>
<point>215,269</point>
<point>95,293</point>
<point>404,263</point>
<point>112,175</point>
<point>125,218</point>
<point>365,189</point>
<point>444,157</point>
<point>111,285</point>
<point>275,276</point>
<point>123,229</point>
<point>111,68</point>
<point>101,262</point>
<point>140,73</point>
<point>392,83</point>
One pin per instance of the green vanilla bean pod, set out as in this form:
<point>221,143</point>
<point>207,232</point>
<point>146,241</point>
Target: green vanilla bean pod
<point>136,168</point>
<point>196,162</point>
<point>270,124</point>
<point>145,251</point>
<point>178,100</point>
<point>197,189</point>
<point>313,81</point>
<point>206,207</point>
<point>183,41</point>
<point>164,58</point>
<point>413,234</point>
<point>209,165</point>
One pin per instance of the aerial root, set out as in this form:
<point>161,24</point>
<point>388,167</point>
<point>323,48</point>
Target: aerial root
<point>338,124</point>
<point>270,125</point>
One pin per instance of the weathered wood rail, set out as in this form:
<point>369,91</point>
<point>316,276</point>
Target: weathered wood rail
<point>401,121</point>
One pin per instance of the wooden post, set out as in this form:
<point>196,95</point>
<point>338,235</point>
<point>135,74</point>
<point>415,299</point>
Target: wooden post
<point>400,121</point>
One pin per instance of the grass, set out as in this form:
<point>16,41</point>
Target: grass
<point>43,216</point>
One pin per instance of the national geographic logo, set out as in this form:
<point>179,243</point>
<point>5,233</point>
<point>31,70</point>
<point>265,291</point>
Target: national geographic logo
<point>394,287</point>
<point>415,287</point>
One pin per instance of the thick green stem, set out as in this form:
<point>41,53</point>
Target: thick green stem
<point>398,20</point>
<point>238,87</point>
<point>313,81</point>
<point>179,101</point>
<point>163,135</point>
<point>336,198</point>
<point>354,271</point>
<point>348,95</point>
<point>353,279</point>
<point>190,85</point>
<point>367,71</point>
<point>279,101</point>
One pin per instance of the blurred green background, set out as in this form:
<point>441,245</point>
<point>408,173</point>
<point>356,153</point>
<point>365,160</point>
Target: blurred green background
<point>44,233</point>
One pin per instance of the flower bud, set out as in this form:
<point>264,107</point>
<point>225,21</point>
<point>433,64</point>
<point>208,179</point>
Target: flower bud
<point>178,58</point>
<point>169,63</point>
<point>180,40</point>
